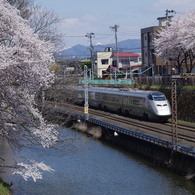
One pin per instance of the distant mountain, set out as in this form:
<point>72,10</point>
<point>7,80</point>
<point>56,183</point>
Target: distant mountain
<point>80,51</point>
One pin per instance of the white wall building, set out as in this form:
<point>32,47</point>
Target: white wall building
<point>103,61</point>
<point>107,62</point>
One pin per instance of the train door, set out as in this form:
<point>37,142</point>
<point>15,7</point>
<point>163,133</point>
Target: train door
<point>79,97</point>
<point>104,98</point>
<point>91,98</point>
<point>125,105</point>
<point>98,99</point>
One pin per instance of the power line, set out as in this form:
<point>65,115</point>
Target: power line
<point>105,35</point>
<point>74,36</point>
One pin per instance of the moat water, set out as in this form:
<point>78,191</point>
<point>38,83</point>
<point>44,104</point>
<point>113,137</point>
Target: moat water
<point>90,167</point>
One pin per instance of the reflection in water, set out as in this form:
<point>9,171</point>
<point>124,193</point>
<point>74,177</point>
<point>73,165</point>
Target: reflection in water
<point>98,169</point>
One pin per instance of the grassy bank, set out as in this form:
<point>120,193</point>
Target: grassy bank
<point>4,188</point>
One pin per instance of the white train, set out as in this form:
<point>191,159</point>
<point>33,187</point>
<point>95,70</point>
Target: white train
<point>147,104</point>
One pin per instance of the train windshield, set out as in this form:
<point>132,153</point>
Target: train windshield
<point>158,97</point>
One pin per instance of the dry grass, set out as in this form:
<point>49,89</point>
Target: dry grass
<point>96,132</point>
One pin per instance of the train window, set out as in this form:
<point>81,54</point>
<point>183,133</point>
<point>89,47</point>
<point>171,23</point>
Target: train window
<point>97,96</point>
<point>130,100</point>
<point>158,97</point>
<point>114,98</point>
<point>125,100</point>
<point>108,97</point>
<point>138,101</point>
<point>150,97</point>
<point>92,95</point>
<point>104,97</point>
<point>80,95</point>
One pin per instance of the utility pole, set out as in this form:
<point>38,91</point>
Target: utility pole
<point>174,79</point>
<point>174,108</point>
<point>91,49</point>
<point>173,92</point>
<point>86,82</point>
<point>115,29</point>
<point>167,15</point>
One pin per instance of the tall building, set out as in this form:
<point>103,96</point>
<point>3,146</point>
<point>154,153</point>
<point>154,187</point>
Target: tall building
<point>150,63</point>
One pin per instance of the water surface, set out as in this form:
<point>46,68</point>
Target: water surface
<point>95,168</point>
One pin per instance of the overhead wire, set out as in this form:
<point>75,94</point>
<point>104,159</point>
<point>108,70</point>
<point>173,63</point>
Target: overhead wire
<point>123,31</point>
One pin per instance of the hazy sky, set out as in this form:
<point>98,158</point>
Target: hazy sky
<point>85,16</point>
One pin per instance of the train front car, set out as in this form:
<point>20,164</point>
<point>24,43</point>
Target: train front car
<point>160,106</point>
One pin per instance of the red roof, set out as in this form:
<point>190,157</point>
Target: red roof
<point>135,65</point>
<point>125,55</point>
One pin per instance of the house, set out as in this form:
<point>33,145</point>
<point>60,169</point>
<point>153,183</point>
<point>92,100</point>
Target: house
<point>103,61</point>
<point>125,59</point>
<point>132,70</point>
<point>108,62</point>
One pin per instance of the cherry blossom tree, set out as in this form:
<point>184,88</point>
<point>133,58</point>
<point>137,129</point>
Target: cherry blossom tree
<point>24,61</point>
<point>43,22</point>
<point>24,6</point>
<point>176,42</point>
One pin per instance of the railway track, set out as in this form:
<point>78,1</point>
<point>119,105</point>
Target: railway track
<point>149,127</point>
<point>186,127</point>
<point>186,132</point>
